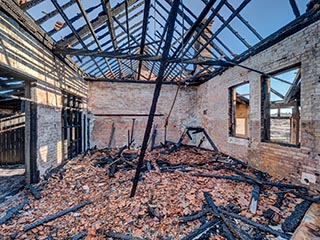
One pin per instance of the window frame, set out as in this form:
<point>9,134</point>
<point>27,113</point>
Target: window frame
<point>232,112</point>
<point>265,110</point>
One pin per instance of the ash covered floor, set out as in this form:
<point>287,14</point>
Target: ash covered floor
<point>173,200</point>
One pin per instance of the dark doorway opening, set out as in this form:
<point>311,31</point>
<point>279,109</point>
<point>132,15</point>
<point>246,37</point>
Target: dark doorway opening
<point>71,125</point>
<point>12,136</point>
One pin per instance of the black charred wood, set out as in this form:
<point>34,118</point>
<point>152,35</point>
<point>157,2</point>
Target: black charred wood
<point>13,211</point>
<point>112,170</point>
<point>202,230</point>
<point>55,216</point>
<point>255,195</point>
<point>122,236</point>
<point>195,215</point>
<point>262,227</point>
<point>79,235</point>
<point>292,222</point>
<point>269,213</point>
<point>234,178</point>
<point>34,192</point>
<point>227,231</point>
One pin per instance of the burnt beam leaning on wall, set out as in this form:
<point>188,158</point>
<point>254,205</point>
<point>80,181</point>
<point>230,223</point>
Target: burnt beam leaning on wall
<point>171,22</point>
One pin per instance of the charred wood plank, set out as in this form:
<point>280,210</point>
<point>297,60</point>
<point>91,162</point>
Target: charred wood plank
<point>262,227</point>
<point>79,235</point>
<point>234,178</point>
<point>255,196</point>
<point>195,215</point>
<point>112,170</point>
<point>111,135</point>
<point>12,211</point>
<point>239,233</point>
<point>34,192</point>
<point>213,145</point>
<point>202,230</point>
<point>253,181</point>
<point>154,136</point>
<point>292,222</point>
<point>305,196</point>
<point>269,214</point>
<point>121,236</point>
<point>226,230</point>
<point>55,216</point>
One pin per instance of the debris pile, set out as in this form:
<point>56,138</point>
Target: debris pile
<point>188,194</point>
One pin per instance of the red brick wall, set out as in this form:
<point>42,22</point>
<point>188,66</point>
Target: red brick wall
<point>290,162</point>
<point>135,98</point>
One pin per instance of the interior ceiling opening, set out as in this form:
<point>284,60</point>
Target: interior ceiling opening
<point>115,39</point>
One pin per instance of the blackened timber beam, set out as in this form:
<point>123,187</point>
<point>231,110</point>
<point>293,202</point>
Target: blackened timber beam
<point>144,32</point>
<point>195,26</point>
<point>231,17</point>
<point>171,22</point>
<point>295,8</point>
<point>107,9</point>
<point>128,31</point>
<point>136,46</point>
<point>54,13</point>
<point>28,24</point>
<point>116,55</point>
<point>65,18</point>
<point>95,23</point>
<point>245,22</point>
<point>105,34</point>
<point>229,27</point>
<point>189,21</point>
<point>84,14</point>
<point>30,4</point>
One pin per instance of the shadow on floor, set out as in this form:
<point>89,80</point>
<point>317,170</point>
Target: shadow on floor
<point>12,180</point>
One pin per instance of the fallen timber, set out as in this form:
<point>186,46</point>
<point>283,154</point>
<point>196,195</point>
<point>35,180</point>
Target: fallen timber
<point>226,229</point>
<point>13,211</point>
<point>202,230</point>
<point>122,236</point>
<point>255,224</point>
<point>56,215</point>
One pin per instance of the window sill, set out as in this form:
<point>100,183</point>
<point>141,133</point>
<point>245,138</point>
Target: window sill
<point>238,140</point>
<point>282,144</point>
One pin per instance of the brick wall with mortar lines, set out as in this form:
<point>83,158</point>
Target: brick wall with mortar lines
<point>134,98</point>
<point>21,52</point>
<point>290,162</point>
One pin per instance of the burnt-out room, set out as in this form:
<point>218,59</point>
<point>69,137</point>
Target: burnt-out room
<point>160,119</point>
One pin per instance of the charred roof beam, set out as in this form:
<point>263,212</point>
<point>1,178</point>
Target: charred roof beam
<point>144,32</point>
<point>107,9</point>
<point>295,8</point>
<point>96,23</point>
<point>63,15</point>
<point>84,14</point>
<point>223,26</point>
